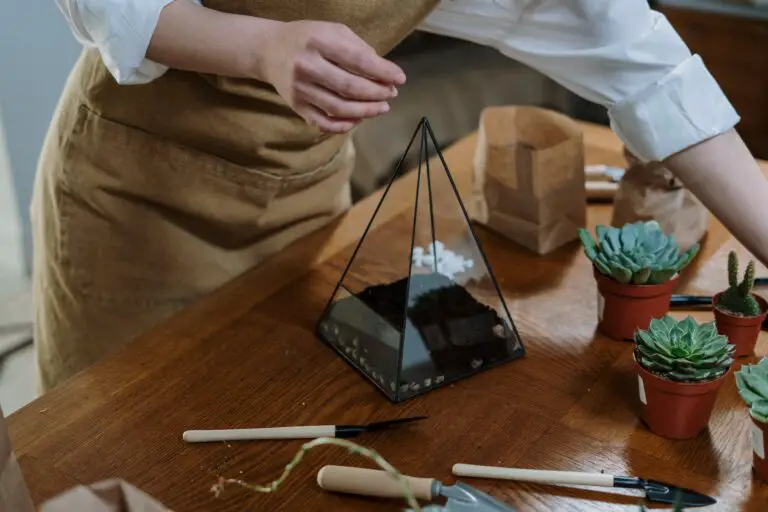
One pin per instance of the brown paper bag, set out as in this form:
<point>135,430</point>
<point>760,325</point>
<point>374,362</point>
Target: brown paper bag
<point>106,496</point>
<point>529,182</point>
<point>14,495</point>
<point>651,192</point>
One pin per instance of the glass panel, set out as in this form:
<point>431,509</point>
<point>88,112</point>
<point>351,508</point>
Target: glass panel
<point>418,302</point>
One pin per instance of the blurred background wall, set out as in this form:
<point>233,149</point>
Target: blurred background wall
<point>37,51</point>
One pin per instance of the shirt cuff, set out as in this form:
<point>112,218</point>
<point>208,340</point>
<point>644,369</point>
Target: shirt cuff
<point>122,36</point>
<point>684,108</point>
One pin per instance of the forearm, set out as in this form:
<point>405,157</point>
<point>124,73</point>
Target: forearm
<point>194,38</point>
<point>722,173</point>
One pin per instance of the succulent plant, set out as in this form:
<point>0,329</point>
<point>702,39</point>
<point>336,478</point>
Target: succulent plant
<point>752,383</point>
<point>637,253</point>
<point>738,299</point>
<point>683,351</point>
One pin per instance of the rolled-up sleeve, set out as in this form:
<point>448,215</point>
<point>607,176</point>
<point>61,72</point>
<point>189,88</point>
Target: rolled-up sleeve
<point>621,54</point>
<point>121,31</point>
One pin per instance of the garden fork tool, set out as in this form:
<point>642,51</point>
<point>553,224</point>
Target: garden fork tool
<point>376,483</point>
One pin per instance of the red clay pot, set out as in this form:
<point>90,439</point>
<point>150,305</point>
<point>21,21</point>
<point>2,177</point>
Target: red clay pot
<point>741,331</point>
<point>676,410</point>
<point>622,309</point>
<point>759,438</point>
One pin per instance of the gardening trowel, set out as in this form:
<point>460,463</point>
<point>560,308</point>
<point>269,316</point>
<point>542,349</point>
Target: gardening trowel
<point>371,482</point>
<point>654,490</point>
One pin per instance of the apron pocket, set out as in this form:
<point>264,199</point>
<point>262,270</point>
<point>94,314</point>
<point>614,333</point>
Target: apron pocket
<point>149,221</point>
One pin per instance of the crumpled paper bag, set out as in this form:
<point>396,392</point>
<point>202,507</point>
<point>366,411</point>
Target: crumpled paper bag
<point>529,180</point>
<point>14,495</point>
<point>651,192</point>
<point>106,496</point>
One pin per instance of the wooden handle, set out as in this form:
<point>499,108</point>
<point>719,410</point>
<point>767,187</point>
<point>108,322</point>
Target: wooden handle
<point>251,434</point>
<point>538,476</point>
<point>603,173</point>
<point>371,482</point>
<point>596,173</point>
<point>601,189</point>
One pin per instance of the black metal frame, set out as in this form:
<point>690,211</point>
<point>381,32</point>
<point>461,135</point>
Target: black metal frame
<point>426,131</point>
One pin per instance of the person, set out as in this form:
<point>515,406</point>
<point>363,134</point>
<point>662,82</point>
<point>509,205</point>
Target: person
<point>195,139</point>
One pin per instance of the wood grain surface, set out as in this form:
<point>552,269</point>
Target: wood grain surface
<point>247,356</point>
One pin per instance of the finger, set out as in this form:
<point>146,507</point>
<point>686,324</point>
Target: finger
<point>357,57</point>
<point>338,107</point>
<point>342,82</point>
<point>316,117</point>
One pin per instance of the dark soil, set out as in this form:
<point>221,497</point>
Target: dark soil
<point>445,313</point>
<point>460,334</point>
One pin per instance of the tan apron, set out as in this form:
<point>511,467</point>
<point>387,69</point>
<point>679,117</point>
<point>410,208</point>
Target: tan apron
<point>150,196</point>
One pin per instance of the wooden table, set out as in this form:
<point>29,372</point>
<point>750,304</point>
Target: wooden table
<point>247,355</point>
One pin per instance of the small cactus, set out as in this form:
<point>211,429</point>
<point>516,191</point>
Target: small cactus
<point>738,299</point>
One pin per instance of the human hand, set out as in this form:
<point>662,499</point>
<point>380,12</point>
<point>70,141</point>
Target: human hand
<point>327,74</point>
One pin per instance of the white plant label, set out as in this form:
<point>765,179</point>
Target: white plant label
<point>641,390</point>
<point>600,306</point>
<point>757,441</point>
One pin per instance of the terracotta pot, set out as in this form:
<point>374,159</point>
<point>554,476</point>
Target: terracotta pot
<point>622,309</point>
<point>759,439</point>
<point>741,331</point>
<point>676,410</point>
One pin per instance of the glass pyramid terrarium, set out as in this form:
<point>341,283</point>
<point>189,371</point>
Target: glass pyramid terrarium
<point>417,306</point>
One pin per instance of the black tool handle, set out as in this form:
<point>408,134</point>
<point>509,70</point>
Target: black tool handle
<point>349,431</point>
<point>628,482</point>
<point>690,300</point>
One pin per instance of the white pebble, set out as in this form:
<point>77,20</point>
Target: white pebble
<point>441,260</point>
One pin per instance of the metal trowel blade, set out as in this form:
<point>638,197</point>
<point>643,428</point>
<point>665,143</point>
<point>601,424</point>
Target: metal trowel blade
<point>465,498</point>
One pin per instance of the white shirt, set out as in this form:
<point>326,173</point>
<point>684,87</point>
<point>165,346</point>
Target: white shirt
<point>618,53</point>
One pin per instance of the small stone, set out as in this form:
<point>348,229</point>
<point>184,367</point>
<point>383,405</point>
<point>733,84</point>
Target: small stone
<point>415,386</point>
<point>392,385</point>
<point>335,330</point>
<point>374,375</point>
<point>498,331</point>
<point>403,388</point>
<point>348,350</point>
<point>427,383</point>
<point>354,342</point>
<point>476,363</point>
<point>362,360</point>
<point>439,379</point>
<point>354,354</point>
<point>381,380</point>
